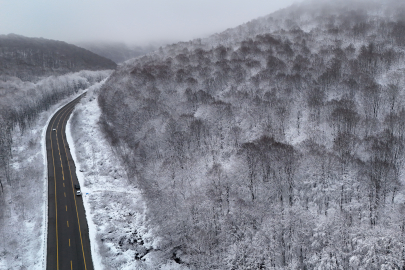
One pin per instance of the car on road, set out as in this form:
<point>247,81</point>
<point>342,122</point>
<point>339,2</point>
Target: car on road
<point>54,129</point>
<point>78,193</point>
<point>77,186</point>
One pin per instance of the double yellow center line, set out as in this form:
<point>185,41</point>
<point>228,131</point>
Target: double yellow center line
<point>65,112</point>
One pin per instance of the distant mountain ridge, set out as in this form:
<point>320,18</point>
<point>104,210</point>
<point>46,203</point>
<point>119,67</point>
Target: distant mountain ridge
<point>298,17</point>
<point>118,52</point>
<point>27,58</point>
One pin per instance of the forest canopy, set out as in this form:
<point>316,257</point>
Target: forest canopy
<point>278,144</point>
<point>30,58</point>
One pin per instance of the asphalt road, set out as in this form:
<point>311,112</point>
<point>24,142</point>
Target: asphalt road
<point>68,236</point>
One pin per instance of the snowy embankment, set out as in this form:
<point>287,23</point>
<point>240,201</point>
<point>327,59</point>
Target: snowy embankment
<point>23,228</point>
<point>114,207</point>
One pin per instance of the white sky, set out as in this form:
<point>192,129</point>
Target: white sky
<point>130,21</point>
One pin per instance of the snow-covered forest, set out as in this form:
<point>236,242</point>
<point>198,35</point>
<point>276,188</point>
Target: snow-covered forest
<point>21,102</point>
<point>30,58</point>
<point>278,144</point>
<point>118,52</point>
<point>25,108</point>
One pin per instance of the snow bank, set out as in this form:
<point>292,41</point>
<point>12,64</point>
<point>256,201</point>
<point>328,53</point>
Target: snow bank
<point>23,228</point>
<point>114,208</point>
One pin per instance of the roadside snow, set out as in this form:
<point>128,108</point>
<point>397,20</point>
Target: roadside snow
<point>97,262</point>
<point>114,208</point>
<point>23,226</point>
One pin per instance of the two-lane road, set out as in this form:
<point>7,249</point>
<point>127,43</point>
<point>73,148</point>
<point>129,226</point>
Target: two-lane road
<point>68,238</point>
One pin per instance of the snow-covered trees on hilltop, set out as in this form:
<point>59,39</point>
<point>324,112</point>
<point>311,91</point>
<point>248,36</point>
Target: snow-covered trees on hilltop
<point>29,58</point>
<point>25,108</point>
<point>21,102</point>
<point>275,145</point>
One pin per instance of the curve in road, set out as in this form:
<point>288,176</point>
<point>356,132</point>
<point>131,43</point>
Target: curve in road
<point>68,244</point>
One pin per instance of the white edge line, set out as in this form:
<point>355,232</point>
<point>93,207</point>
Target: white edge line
<point>96,258</point>
<point>45,177</point>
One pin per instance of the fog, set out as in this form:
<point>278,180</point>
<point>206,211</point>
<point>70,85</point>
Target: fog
<point>129,21</point>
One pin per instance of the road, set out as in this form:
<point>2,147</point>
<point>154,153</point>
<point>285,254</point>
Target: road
<point>68,238</point>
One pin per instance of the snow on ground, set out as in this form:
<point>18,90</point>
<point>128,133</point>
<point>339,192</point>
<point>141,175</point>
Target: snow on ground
<point>114,207</point>
<point>23,228</point>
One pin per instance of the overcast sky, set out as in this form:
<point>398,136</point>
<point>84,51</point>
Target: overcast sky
<point>129,21</point>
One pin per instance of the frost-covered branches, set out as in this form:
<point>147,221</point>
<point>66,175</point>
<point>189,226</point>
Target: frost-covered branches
<point>30,58</point>
<point>21,102</point>
<point>280,147</point>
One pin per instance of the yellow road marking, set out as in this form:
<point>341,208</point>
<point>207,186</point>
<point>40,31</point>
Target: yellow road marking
<point>66,208</point>
<point>74,197</point>
<point>69,242</point>
<point>67,222</point>
<point>56,203</point>
<point>63,110</point>
<point>64,193</point>
<point>63,184</point>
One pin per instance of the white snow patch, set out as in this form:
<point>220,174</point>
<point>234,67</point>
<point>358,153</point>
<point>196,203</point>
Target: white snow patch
<point>97,262</point>
<point>23,229</point>
<point>113,206</point>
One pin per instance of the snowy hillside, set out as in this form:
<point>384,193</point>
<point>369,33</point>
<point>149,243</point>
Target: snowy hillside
<point>278,144</point>
<point>118,52</point>
<point>25,109</point>
<point>114,208</point>
<point>29,58</point>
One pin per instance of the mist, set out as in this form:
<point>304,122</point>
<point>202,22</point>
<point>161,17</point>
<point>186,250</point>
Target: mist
<point>132,22</point>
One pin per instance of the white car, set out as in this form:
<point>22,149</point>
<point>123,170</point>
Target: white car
<point>54,129</point>
<point>78,193</point>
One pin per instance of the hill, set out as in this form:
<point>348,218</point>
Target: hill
<point>27,58</point>
<point>118,52</point>
<point>278,144</point>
